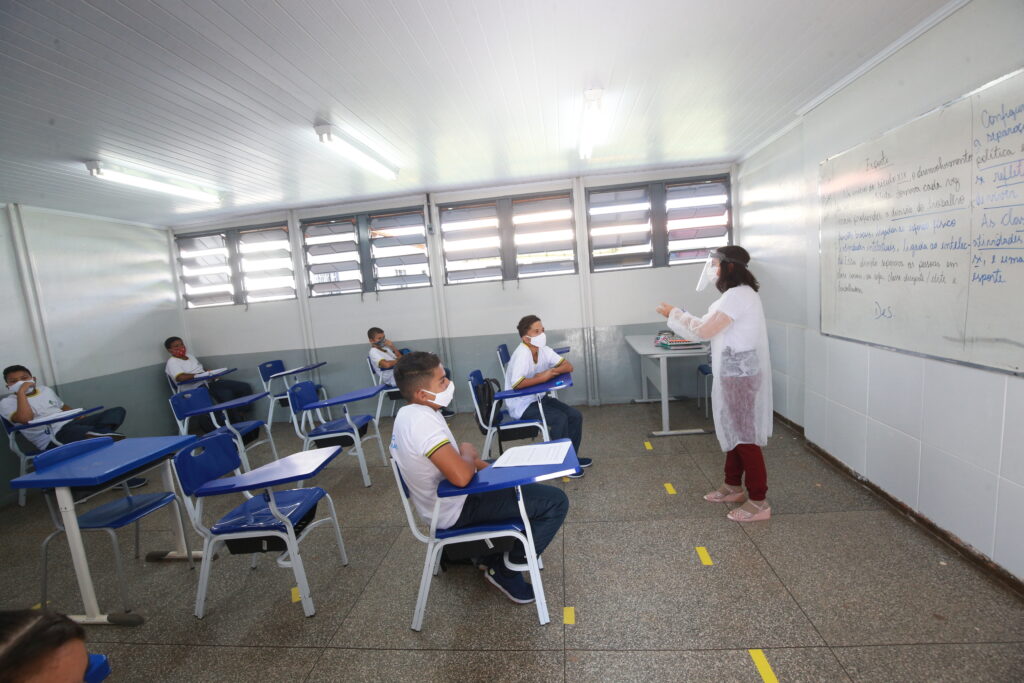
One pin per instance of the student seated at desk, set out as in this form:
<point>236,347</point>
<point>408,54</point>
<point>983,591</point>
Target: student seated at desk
<point>426,453</point>
<point>534,362</point>
<point>181,367</point>
<point>384,355</point>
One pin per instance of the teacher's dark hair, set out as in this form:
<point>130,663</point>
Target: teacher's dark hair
<point>734,271</point>
<point>28,637</point>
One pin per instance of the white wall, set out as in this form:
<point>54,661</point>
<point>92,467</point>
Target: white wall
<point>943,438</point>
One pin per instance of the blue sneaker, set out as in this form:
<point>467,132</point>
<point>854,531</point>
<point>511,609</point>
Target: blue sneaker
<point>586,462</point>
<point>510,583</point>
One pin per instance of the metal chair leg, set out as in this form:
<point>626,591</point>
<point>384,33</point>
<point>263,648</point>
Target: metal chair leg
<point>46,545</point>
<point>119,569</point>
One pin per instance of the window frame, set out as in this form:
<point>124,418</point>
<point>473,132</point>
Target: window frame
<point>657,191</point>
<point>234,261</point>
<point>504,213</point>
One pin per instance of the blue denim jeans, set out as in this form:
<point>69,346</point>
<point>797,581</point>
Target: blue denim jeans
<point>564,421</point>
<point>546,507</point>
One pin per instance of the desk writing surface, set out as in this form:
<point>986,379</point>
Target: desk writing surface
<point>559,382</point>
<point>295,467</point>
<point>497,478</point>
<point>240,402</point>
<point>644,345</point>
<point>100,466</point>
<point>350,397</point>
<point>295,371</point>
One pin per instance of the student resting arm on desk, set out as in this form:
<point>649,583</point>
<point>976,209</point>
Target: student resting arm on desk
<point>427,453</point>
<point>181,367</point>
<point>534,362</point>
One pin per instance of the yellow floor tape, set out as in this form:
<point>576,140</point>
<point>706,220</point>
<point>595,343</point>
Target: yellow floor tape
<point>569,615</point>
<point>671,489</point>
<point>702,553</point>
<point>648,446</point>
<point>763,667</point>
<point>295,594</point>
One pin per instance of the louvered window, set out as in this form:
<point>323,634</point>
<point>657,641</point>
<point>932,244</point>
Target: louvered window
<point>471,242</point>
<point>332,256</point>
<point>206,271</point>
<point>266,264</point>
<point>544,238</point>
<point>620,229</point>
<point>697,219</point>
<point>398,246</point>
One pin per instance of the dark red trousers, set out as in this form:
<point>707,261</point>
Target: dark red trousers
<point>747,459</point>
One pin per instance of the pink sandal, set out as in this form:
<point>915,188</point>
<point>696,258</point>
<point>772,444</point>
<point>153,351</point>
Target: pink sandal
<point>723,495</point>
<point>743,515</point>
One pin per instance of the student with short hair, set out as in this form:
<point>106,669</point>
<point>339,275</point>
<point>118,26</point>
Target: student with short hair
<point>427,453</point>
<point>384,355</point>
<point>182,367</point>
<point>43,646</point>
<point>534,362</point>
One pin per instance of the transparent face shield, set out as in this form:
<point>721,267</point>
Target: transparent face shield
<point>708,275</point>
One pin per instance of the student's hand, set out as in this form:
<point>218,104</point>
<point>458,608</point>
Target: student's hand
<point>664,309</point>
<point>27,387</point>
<point>548,374</point>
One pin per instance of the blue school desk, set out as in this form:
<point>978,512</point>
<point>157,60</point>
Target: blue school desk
<point>105,465</point>
<point>497,478</point>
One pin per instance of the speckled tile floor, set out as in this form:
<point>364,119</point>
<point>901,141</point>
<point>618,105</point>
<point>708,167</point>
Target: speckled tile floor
<point>835,587</point>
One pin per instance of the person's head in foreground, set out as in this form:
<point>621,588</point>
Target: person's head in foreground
<point>40,646</point>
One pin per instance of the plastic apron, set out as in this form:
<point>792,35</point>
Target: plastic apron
<point>741,394</point>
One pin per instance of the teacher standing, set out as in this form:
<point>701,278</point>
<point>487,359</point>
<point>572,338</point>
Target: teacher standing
<point>741,396</point>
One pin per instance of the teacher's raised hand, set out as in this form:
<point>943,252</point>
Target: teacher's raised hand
<point>664,308</point>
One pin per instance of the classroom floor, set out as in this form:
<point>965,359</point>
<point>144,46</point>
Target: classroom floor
<point>835,587</point>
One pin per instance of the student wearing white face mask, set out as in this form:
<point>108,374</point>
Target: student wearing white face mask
<point>741,396</point>
<point>534,362</point>
<point>426,452</point>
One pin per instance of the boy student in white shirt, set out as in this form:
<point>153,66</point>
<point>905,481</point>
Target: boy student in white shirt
<point>384,355</point>
<point>426,453</point>
<point>182,367</point>
<point>29,400</point>
<point>534,362</point>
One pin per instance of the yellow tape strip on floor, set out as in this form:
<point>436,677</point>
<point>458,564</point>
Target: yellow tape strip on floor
<point>565,479</point>
<point>670,488</point>
<point>295,594</point>
<point>763,667</point>
<point>702,553</point>
<point>648,446</point>
<point>569,615</point>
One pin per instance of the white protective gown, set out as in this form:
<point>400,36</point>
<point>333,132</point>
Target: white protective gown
<point>741,395</point>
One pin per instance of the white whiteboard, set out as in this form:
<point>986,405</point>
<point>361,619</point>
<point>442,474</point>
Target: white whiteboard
<point>922,233</point>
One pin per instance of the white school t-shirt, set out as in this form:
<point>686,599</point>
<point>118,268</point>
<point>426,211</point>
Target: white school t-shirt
<point>417,434</point>
<point>175,366</point>
<point>44,403</point>
<point>387,375</point>
<point>521,366</point>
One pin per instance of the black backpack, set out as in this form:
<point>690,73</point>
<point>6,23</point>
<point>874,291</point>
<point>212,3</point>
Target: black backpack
<point>485,399</point>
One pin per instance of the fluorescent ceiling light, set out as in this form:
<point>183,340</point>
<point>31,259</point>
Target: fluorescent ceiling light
<point>356,151</point>
<point>156,182</point>
<point>592,125</point>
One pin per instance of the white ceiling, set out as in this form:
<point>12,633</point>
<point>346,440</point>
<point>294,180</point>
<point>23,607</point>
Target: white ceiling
<point>463,92</point>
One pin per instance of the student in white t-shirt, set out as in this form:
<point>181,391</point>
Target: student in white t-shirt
<point>534,362</point>
<point>741,396</point>
<point>426,453</point>
<point>383,357</point>
<point>181,367</point>
<point>29,400</point>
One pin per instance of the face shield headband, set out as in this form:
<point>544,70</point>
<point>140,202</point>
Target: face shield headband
<point>708,275</point>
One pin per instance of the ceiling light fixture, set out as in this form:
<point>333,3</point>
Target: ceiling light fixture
<point>167,184</point>
<point>355,150</point>
<point>592,125</point>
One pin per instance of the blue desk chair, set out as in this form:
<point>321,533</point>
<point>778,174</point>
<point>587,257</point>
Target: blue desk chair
<point>107,517</point>
<point>503,357</point>
<point>436,539</point>
<point>195,402</point>
<point>498,421</point>
<point>269,369</point>
<point>704,370</point>
<point>97,670</point>
<point>393,394</point>
<point>275,520</point>
<point>25,458</point>
<point>302,399</point>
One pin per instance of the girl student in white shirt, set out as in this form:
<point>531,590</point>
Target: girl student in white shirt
<point>534,362</point>
<point>741,396</point>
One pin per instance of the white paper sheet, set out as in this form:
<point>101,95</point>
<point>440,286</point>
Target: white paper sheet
<point>539,454</point>
<point>63,413</point>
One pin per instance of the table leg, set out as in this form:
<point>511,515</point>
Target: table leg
<point>181,548</point>
<point>665,431</point>
<point>92,615</point>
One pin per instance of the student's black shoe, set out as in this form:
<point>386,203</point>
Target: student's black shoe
<point>136,482</point>
<point>577,475</point>
<point>510,583</point>
<point>586,462</point>
<point>447,414</point>
<point>116,436</point>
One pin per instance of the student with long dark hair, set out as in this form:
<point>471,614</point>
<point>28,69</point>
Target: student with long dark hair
<point>741,396</point>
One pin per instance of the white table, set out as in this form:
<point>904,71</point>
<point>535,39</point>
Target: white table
<point>643,345</point>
